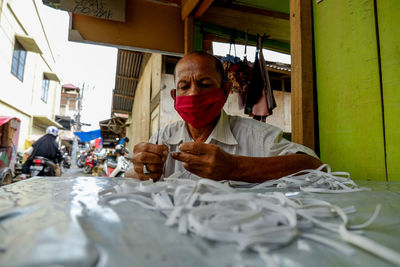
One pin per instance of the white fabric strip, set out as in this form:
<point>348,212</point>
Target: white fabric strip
<point>254,220</point>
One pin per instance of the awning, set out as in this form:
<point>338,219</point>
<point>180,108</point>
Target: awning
<point>45,121</point>
<point>28,43</point>
<point>88,136</point>
<point>51,76</point>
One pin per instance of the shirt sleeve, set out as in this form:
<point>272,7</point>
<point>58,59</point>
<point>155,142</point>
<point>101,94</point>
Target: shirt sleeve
<point>281,146</point>
<point>153,139</point>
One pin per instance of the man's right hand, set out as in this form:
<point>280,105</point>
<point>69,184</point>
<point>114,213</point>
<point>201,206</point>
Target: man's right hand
<point>151,155</point>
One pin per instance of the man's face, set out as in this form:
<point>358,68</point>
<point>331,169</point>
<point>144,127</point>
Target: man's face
<point>196,74</point>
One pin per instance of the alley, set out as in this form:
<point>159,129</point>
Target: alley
<point>74,172</point>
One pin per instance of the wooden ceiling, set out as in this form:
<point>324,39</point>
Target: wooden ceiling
<point>270,17</point>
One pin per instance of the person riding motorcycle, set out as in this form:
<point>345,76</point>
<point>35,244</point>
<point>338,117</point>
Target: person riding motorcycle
<point>120,151</point>
<point>46,147</point>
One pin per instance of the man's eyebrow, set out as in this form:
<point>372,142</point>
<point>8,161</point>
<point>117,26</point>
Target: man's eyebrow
<point>205,78</point>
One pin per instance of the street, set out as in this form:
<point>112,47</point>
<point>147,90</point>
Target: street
<point>74,172</point>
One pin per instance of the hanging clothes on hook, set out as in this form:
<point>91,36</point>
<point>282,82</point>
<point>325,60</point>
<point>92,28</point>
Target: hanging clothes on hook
<point>260,99</point>
<point>239,74</point>
<point>229,60</point>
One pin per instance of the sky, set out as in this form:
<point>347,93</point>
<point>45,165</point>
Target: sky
<point>84,65</point>
<point>222,49</point>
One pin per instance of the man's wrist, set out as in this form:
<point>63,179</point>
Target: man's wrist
<point>236,168</point>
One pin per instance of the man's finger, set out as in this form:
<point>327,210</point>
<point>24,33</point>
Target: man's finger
<point>154,176</point>
<point>194,147</point>
<point>147,158</point>
<point>161,150</point>
<point>155,170</point>
<point>186,157</point>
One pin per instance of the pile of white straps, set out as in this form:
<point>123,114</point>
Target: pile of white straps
<point>255,221</point>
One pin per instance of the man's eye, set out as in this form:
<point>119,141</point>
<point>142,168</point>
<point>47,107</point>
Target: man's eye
<point>206,85</point>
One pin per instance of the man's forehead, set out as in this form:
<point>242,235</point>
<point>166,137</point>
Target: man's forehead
<point>195,63</point>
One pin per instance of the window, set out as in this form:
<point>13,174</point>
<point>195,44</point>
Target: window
<point>45,89</point>
<point>18,61</point>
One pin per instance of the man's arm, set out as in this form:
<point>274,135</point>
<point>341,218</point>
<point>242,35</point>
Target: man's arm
<point>256,170</point>
<point>210,161</point>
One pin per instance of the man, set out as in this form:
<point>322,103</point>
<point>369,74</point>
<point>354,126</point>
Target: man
<point>46,147</point>
<point>211,144</point>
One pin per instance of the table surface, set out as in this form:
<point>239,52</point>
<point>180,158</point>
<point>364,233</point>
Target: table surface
<point>56,221</point>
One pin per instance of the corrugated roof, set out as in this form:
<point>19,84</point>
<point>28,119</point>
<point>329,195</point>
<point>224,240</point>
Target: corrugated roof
<point>278,66</point>
<point>127,76</point>
<point>69,86</point>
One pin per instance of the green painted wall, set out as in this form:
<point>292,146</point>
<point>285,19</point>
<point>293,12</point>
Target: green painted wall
<point>389,33</point>
<point>348,88</point>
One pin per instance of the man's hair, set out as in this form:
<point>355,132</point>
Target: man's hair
<point>218,65</point>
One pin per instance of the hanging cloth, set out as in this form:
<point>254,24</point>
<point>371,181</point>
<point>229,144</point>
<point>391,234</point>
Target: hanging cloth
<point>260,99</point>
<point>271,104</point>
<point>256,85</point>
<point>239,75</point>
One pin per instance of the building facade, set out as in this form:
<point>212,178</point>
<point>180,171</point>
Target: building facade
<point>30,88</point>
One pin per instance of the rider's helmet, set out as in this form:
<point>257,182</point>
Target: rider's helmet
<point>52,130</point>
<point>118,149</point>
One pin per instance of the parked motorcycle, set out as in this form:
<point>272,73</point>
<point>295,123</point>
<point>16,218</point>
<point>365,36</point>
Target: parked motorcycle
<point>42,166</point>
<point>18,164</point>
<point>81,160</point>
<point>89,163</point>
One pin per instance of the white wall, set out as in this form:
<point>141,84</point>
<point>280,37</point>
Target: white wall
<point>281,116</point>
<point>22,99</point>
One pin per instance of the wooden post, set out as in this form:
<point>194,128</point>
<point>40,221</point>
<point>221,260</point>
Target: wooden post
<point>188,28</point>
<point>303,131</point>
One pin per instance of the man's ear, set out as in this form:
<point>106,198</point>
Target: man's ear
<point>173,94</point>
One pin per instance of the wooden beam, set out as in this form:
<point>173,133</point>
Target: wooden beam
<point>121,111</point>
<point>275,28</point>
<point>303,129</point>
<point>188,32</point>
<point>125,96</point>
<point>255,10</point>
<point>202,7</point>
<point>127,78</point>
<point>187,7</point>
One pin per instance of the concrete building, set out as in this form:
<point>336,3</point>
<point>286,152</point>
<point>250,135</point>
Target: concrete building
<point>69,110</point>
<point>30,88</point>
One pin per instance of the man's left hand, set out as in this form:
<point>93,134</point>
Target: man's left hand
<point>206,160</point>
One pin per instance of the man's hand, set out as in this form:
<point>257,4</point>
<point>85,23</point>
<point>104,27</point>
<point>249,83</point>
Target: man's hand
<point>151,155</point>
<point>206,160</point>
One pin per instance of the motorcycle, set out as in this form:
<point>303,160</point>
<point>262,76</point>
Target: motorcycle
<point>66,161</point>
<point>42,166</point>
<point>111,163</point>
<point>81,160</point>
<point>89,164</point>
<point>18,164</point>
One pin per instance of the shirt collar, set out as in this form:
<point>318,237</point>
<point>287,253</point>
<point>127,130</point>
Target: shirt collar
<point>221,133</point>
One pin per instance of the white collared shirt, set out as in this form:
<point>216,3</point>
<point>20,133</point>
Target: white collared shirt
<point>233,134</point>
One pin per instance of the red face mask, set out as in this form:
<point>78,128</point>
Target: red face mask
<point>201,109</point>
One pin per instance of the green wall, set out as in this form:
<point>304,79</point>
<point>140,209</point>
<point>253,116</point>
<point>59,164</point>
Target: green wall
<point>389,37</point>
<point>348,88</point>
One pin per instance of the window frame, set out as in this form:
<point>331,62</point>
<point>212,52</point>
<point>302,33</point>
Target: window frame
<point>45,89</point>
<point>18,61</point>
